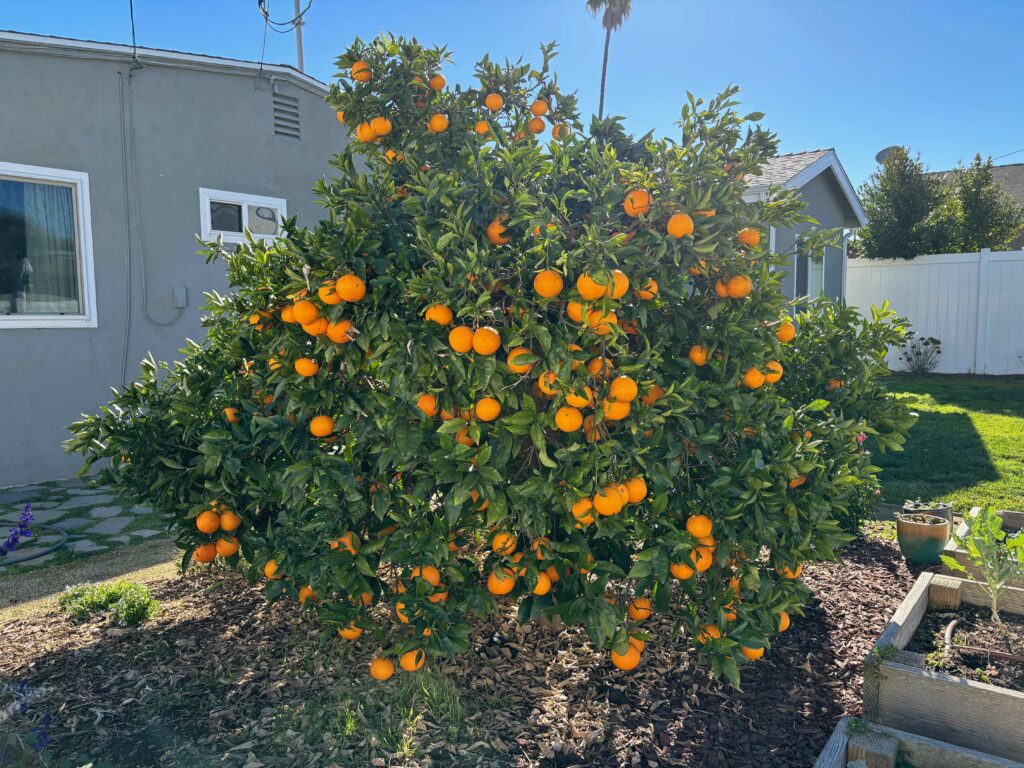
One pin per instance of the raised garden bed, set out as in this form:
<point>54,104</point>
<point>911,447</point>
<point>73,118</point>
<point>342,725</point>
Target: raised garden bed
<point>902,691</point>
<point>1012,522</point>
<point>882,747</point>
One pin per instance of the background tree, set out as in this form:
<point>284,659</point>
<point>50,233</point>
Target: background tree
<point>986,215</point>
<point>899,200</point>
<point>613,14</point>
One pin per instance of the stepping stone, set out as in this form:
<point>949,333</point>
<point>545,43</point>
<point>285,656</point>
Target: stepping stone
<point>31,563</point>
<point>73,523</point>
<point>71,482</point>
<point>47,516</point>
<point>120,539</point>
<point>85,546</point>
<point>24,493</point>
<point>145,533</point>
<point>105,511</point>
<point>108,527</point>
<point>140,510</point>
<point>77,502</point>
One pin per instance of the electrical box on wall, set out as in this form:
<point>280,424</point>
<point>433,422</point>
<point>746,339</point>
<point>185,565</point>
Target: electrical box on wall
<point>180,296</point>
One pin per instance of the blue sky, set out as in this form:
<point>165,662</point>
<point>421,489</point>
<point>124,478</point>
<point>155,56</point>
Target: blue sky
<point>941,76</point>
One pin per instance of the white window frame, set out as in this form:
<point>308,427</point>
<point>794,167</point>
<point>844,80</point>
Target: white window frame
<point>79,182</point>
<point>207,196</point>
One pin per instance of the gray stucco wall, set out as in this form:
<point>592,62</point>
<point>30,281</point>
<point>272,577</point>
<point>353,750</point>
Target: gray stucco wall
<point>192,129</point>
<point>825,203</point>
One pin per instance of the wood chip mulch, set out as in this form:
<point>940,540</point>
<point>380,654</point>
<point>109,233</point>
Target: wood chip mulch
<point>221,678</point>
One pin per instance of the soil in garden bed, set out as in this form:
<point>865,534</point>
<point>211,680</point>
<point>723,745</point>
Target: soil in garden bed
<point>221,678</point>
<point>976,631</point>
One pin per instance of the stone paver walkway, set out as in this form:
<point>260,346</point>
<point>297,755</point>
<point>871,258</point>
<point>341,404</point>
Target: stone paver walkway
<point>94,519</point>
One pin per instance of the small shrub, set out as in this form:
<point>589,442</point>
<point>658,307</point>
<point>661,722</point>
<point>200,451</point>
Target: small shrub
<point>999,557</point>
<point>129,604</point>
<point>860,507</point>
<point>921,354</point>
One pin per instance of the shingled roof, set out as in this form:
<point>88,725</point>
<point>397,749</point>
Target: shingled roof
<point>796,169</point>
<point>781,168</point>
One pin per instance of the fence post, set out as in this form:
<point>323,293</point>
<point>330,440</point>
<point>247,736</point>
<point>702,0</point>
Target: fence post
<point>981,337</point>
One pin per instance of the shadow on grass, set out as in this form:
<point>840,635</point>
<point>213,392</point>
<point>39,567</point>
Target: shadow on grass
<point>1000,395</point>
<point>943,454</point>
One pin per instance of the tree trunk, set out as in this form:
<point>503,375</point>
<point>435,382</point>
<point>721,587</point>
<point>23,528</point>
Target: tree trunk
<point>604,70</point>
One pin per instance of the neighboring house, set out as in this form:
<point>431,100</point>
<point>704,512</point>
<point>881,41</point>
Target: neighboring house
<point>1012,178</point>
<point>831,200</point>
<point>111,162</point>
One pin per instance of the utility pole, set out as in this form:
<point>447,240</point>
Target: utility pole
<point>298,34</point>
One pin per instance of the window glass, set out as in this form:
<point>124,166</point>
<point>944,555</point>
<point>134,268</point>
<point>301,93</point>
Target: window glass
<point>38,249</point>
<point>816,277</point>
<point>225,217</point>
<point>263,220</point>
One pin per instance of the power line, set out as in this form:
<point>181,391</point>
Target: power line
<point>1016,151</point>
<point>282,27</point>
<point>131,14</point>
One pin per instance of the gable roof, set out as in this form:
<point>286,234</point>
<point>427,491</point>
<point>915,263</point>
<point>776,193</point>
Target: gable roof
<point>67,46</point>
<point>794,170</point>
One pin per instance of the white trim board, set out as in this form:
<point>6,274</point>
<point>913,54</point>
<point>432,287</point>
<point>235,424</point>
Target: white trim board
<point>83,232</point>
<point>206,196</point>
<point>830,160</point>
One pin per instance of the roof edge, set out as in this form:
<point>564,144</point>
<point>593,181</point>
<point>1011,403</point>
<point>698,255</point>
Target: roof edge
<point>47,44</point>
<point>828,161</point>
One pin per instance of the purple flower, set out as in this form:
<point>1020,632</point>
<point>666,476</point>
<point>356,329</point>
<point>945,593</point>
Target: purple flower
<point>22,531</point>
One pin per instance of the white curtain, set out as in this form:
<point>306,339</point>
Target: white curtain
<point>49,274</point>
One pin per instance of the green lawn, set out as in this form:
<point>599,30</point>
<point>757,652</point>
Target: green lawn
<point>967,447</point>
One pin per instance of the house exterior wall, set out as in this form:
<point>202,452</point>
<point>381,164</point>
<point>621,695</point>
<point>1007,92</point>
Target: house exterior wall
<point>182,129</point>
<point>825,203</point>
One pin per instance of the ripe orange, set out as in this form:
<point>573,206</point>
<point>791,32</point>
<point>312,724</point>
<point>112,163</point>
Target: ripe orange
<point>581,509</point>
<point>739,287</point>
<point>229,521</point>
<point>306,367</point>
<point>515,367</point>
<point>600,367</point>
<point>428,404</point>
<point>753,378</point>
<point>462,436</point>
<point>318,327</point>
<point>546,383</point>
<point>306,593</point>
<point>637,202</point>
<point>340,332</point>
<point>614,411</point>
<point>710,214</point>
<point>607,501</point>
<point>628,660</point>
<point>681,571</point>
<point>486,340</point>
<point>327,294</point>
<point>543,584</point>
<point>503,543</point>
<point>749,236</point>
<point>440,314</point>
<point>790,574</point>
<point>568,419</point>
<point>381,669</point>
<point>227,547</point>
<point>698,355</point>
<point>601,322</point>
<point>796,482</point>
<point>428,573</point>
<point>536,125</point>
<point>341,116</point>
<point>649,291</point>
<point>640,609</point>
<point>437,82</point>
<point>559,131</point>
<point>231,414</point>
<point>699,526</point>
<point>547,283</point>
<point>351,632</point>
<point>487,409</point>
<point>752,653</point>
<point>834,384</point>
<point>786,332</point>
<point>321,426</point>
<point>365,133</point>
<point>720,290</point>
<point>680,225</point>
<point>494,101</point>
<point>347,541</point>
<point>460,338</point>
<point>501,581</point>
<point>776,371</point>
<point>438,123</point>
<point>208,521</point>
<point>288,314</point>
<point>539,108</point>
<point>380,126</point>
<point>708,632</point>
<point>703,558</point>
<point>577,400</point>
<point>623,389</point>
<point>205,553</point>
<point>305,312</point>
<point>636,487</point>
<point>475,495</point>
<point>482,127</point>
<point>361,71</point>
<point>783,621</point>
<point>270,569</point>
<point>412,660</point>
<point>350,288</point>
<point>654,394</point>
<point>589,289</point>
<point>496,230</point>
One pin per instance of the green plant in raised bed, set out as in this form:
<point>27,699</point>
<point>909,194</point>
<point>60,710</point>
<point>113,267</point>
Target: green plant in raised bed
<point>1000,558</point>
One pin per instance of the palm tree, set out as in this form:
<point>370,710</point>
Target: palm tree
<point>615,13</point>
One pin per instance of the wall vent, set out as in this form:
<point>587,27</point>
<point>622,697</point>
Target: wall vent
<point>286,116</point>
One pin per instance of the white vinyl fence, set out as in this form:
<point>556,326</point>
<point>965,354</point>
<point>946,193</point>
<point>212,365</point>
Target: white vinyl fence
<point>972,302</point>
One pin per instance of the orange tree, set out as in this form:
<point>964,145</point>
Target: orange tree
<point>516,363</point>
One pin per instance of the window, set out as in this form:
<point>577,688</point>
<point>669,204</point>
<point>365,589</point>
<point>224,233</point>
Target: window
<point>46,267</point>
<point>230,214</point>
<point>815,277</point>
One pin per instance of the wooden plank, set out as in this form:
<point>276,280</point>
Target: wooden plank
<point>833,755</point>
<point>961,712</point>
<point>924,752</point>
<point>944,593</point>
<point>1011,601</point>
<point>877,750</point>
<point>897,634</point>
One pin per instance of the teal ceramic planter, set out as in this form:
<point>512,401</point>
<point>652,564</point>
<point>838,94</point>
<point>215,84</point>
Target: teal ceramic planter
<point>922,537</point>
